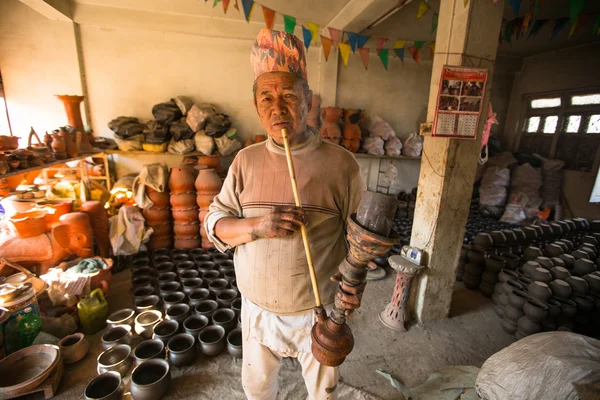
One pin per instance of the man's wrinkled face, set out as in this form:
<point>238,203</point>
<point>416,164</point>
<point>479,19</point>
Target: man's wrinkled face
<point>283,101</point>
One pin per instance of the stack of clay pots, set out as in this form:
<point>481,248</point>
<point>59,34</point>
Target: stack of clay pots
<point>158,217</point>
<point>208,185</point>
<point>462,262</point>
<point>184,208</point>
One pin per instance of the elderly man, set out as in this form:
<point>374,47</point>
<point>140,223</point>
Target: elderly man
<point>255,213</point>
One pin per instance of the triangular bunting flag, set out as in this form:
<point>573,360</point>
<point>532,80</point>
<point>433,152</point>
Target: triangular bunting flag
<point>574,26</point>
<point>334,34</point>
<point>269,17</point>
<point>226,5</point>
<point>559,24</point>
<point>516,6</point>
<point>419,43</point>
<point>352,40</point>
<point>364,55</point>
<point>314,31</point>
<point>432,49</point>
<point>381,41</point>
<point>575,9</point>
<point>384,55</point>
<point>400,53</point>
<point>434,22</point>
<point>582,22</point>
<point>466,2</point>
<point>415,52</point>
<point>236,5</point>
<point>216,2</point>
<point>399,44</point>
<point>536,7</point>
<point>344,52</point>
<point>526,22</point>
<point>307,36</point>
<point>422,10</point>
<point>326,46</point>
<point>516,25</point>
<point>362,40</point>
<point>248,6</point>
<point>535,28</point>
<point>596,28</point>
<point>290,23</point>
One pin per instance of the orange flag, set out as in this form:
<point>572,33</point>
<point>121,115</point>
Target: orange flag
<point>326,46</point>
<point>364,54</point>
<point>226,5</point>
<point>269,17</point>
<point>415,52</point>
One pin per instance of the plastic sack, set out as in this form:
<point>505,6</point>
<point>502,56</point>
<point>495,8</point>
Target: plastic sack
<point>393,147</point>
<point>374,145</point>
<point>156,132</point>
<point>543,366</point>
<point>126,127</point>
<point>204,144</point>
<point>180,130</point>
<point>184,104</point>
<point>196,117</point>
<point>378,127</point>
<point>492,195</point>
<point>228,143</point>
<point>181,146</point>
<point>496,176</point>
<point>413,145</point>
<point>132,143</point>
<point>217,125</point>
<point>515,209</point>
<point>166,112</point>
<point>526,175</point>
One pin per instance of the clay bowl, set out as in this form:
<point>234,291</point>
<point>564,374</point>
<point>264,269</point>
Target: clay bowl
<point>225,297</point>
<point>166,277</point>
<point>120,334</point>
<point>236,306</point>
<point>224,317</point>
<point>217,285</point>
<point>541,275</point>
<point>187,242</point>
<point>539,291</point>
<point>73,348</point>
<point>583,267</point>
<point>165,330</point>
<point>212,340</point>
<point>185,215</point>
<point>172,299</point>
<point>198,295</point>
<point>512,260</point>
<point>27,368</point>
<point>183,200</point>
<point>157,215</point>
<point>106,386</point>
<point>186,229</point>
<point>147,303</point>
<point>149,349</point>
<point>535,310</point>
<point>30,223</point>
<point>168,287</point>
<point>150,380</point>
<point>517,299</point>
<point>578,284</point>
<point>146,321</point>
<point>182,349</point>
<point>191,284</point>
<point>234,343</point>
<point>559,273</point>
<point>165,266</point>
<point>194,324</point>
<point>189,274</point>
<point>205,266</point>
<point>126,316</point>
<point>506,275</point>
<point>178,312</point>
<point>206,308</point>
<point>117,359</point>
<point>144,280</point>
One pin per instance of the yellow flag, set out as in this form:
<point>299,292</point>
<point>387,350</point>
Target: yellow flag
<point>423,8</point>
<point>399,44</point>
<point>466,2</point>
<point>345,52</point>
<point>314,31</point>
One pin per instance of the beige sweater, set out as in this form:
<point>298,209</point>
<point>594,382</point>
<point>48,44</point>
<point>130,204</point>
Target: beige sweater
<point>273,273</point>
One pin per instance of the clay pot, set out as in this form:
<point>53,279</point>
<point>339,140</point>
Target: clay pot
<point>196,252</point>
<point>569,260</point>
<point>214,162</point>
<point>30,223</point>
<point>473,270</point>
<point>147,303</point>
<point>99,221</point>
<point>527,326</point>
<point>583,267</point>
<point>229,275</point>
<point>183,200</point>
<point>351,119</point>
<point>205,265</point>
<point>593,281</point>
<point>158,256</point>
<point>541,274</point>
<point>198,295</point>
<point>217,285</point>
<point>73,348</point>
<point>178,312</point>
<point>165,277</point>
<point>234,343</point>
<point>584,303</point>
<point>206,308</point>
<point>166,330</point>
<point>182,350</point>
<point>525,281</point>
<point>120,334</point>
<point>150,380</point>
<point>511,260</point>
<point>107,386</point>
<point>157,215</point>
<point>498,238</point>
<point>185,215</point>
<point>160,199</point>
<point>579,254</point>
<point>539,291</point>
<point>559,273</point>
<point>165,266</point>
<point>59,144</point>
<point>191,229</point>
<point>553,250</point>
<point>224,317</point>
<point>172,299</point>
<point>529,267</point>
<point>168,287</point>
<point>181,180</point>
<point>560,289</point>
<point>125,316</point>
<point>208,185</point>
<point>495,263</point>
<point>578,284</point>
<point>189,274</point>
<point>149,349</point>
<point>531,252</point>
<point>512,314</point>
<point>180,257</point>
<point>476,255</point>
<point>194,324</point>
<point>509,327</point>
<point>212,340</point>
<point>517,299</point>
<point>142,291</point>
<point>187,242</point>
<point>506,275</point>
<point>190,285</point>
<point>142,280</point>
<point>553,307</point>
<point>544,262</point>
<point>568,308</point>
<point>225,298</point>
<point>535,310</point>
<point>116,359</point>
<point>210,276</point>
<point>511,285</point>
<point>160,230</point>
<point>236,306</point>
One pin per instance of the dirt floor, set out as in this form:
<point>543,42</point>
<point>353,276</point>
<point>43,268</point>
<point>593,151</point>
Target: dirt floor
<point>471,334</point>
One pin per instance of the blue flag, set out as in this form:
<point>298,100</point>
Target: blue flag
<point>353,40</point>
<point>307,36</point>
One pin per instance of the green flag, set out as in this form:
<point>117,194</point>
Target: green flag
<point>434,22</point>
<point>575,8</point>
<point>290,23</point>
<point>383,56</point>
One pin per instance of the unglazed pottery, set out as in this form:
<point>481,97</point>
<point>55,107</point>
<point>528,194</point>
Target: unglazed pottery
<point>117,359</point>
<point>206,308</point>
<point>146,321</point>
<point>120,334</point>
<point>212,340</point>
<point>147,303</point>
<point>181,180</point>
<point>208,185</point>
<point>73,348</point>
<point>165,330</point>
<point>194,324</point>
<point>224,317</point>
<point>182,349</point>
<point>234,343</point>
<point>99,221</point>
<point>125,316</point>
<point>106,386</point>
<point>150,380</point>
<point>149,349</point>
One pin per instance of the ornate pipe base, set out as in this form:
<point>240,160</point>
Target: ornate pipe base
<point>396,313</point>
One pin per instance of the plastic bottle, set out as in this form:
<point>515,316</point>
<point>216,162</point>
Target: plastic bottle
<point>93,311</point>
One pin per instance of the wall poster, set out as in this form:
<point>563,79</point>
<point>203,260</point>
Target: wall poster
<point>460,96</point>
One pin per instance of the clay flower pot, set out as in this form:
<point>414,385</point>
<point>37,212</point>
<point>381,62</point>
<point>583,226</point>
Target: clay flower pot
<point>181,180</point>
<point>208,185</point>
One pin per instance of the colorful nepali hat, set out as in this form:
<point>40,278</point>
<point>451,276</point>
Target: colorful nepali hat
<point>278,51</point>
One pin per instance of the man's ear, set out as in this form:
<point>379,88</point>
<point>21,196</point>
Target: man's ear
<point>310,98</point>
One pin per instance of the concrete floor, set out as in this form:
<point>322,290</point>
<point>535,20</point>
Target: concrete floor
<point>469,337</point>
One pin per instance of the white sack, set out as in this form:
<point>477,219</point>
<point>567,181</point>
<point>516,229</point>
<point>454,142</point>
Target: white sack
<point>127,231</point>
<point>154,175</point>
<point>376,126</point>
<point>413,145</point>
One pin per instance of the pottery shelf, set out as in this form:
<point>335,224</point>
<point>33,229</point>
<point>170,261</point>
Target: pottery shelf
<point>364,155</point>
<point>152,153</point>
<point>48,165</point>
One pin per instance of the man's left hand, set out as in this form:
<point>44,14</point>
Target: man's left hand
<point>349,296</point>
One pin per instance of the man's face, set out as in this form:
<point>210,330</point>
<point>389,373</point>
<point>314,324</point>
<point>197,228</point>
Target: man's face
<point>281,102</point>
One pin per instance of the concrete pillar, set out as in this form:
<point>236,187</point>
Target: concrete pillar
<point>466,36</point>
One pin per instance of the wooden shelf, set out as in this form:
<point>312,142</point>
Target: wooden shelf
<point>153,153</point>
<point>364,155</point>
<point>48,165</point>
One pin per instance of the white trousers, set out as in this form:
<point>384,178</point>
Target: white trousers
<point>260,369</point>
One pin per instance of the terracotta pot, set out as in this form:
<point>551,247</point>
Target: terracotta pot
<point>213,162</point>
<point>160,242</point>
<point>73,110</point>
<point>157,215</point>
<point>181,180</point>
<point>191,229</point>
<point>331,132</point>
<point>351,119</point>
<point>202,216</point>
<point>59,144</point>
<point>187,243</point>
<point>99,221</point>
<point>9,142</point>
<point>208,185</point>
<point>161,230</point>
<point>160,199</point>
<point>30,223</point>
<point>185,215</point>
<point>352,145</point>
<point>60,207</point>
<point>183,200</point>
<point>73,348</point>
<point>331,114</point>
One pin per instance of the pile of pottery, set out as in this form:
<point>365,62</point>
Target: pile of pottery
<point>554,283</point>
<point>184,208</point>
<point>158,217</point>
<point>186,305</point>
<point>208,185</point>
<point>350,135</point>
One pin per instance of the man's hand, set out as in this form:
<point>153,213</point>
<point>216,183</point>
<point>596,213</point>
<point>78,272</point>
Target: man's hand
<point>349,297</point>
<point>281,221</point>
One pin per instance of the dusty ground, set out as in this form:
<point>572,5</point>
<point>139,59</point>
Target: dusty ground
<point>469,337</point>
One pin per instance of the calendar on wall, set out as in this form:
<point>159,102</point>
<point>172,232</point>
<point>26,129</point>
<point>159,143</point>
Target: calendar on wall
<point>460,96</point>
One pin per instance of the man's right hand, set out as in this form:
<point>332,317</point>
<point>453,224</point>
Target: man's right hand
<point>280,221</point>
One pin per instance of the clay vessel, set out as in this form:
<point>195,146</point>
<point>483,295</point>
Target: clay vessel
<point>149,349</point>
<point>125,316</point>
<point>234,343</point>
<point>160,199</point>
<point>330,130</point>
<point>187,242</point>
<point>352,117</point>
<point>182,349</point>
<point>535,310</point>
<point>583,267</point>
<point>147,303</point>
<point>236,306</point>
<point>561,289</point>
<point>107,386</point>
<point>185,215</point>
<point>161,229</point>
<point>166,330</point>
<point>527,326</point>
<point>168,287</point>
<point>213,162</point>
<point>59,144</point>
<point>539,291</point>
<point>73,348</point>
<point>191,229</point>
<point>157,215</point>
<point>178,312</point>
<point>198,295</point>
<point>208,185</point>
<point>116,335</point>
<point>206,308</point>
<point>150,380</point>
<point>183,200</point>
<point>225,297</point>
<point>73,110</point>
<point>217,285</point>
<point>181,180</point>
<point>99,221</point>
<point>160,242</point>
<point>192,284</point>
<point>212,340</point>
<point>117,359</point>
<point>224,317</point>
<point>189,274</point>
<point>578,284</point>
<point>146,321</point>
<point>194,324</point>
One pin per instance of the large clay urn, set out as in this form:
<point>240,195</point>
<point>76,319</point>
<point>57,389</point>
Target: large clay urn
<point>330,130</point>
<point>73,110</point>
<point>181,180</point>
<point>99,220</point>
<point>183,200</point>
<point>208,185</point>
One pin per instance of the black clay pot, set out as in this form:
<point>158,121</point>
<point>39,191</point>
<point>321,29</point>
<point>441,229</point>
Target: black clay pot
<point>144,280</point>
<point>188,274</point>
<point>194,324</point>
<point>225,297</point>
<point>474,270</point>
<point>171,299</point>
<point>520,234</point>
<point>165,266</point>
<point>517,299</point>
<point>217,285</point>
<point>166,277</point>
<point>584,303</point>
<point>511,260</point>
<point>212,340</point>
<point>579,254</point>
<point>512,314</point>
<point>192,284</point>
<point>560,288</point>
<point>527,326</point>
<point>578,284</point>
<point>158,259</point>
<point>525,281</point>
<point>591,251</point>
<point>593,281</point>
<point>149,349</point>
<point>143,271</point>
<point>168,287</point>
<point>558,262</point>
<point>199,259</point>
<point>198,295</point>
<point>553,307</point>
<point>196,252</point>
<point>178,312</point>
<point>476,255</point>
<point>486,289</point>
<point>530,234</point>
<point>568,259</point>
<point>495,263</point>
<point>541,275</point>
<point>531,253</point>
<point>544,262</point>
<point>224,317</point>
<point>509,327</point>
<point>553,250</point>
<point>535,310</point>
<point>568,308</point>
<point>583,267</point>
<point>150,380</point>
<point>498,238</point>
<point>509,236</point>
<point>185,266</point>
<point>165,330</point>
<point>529,267</point>
<point>511,285</point>
<point>559,273</point>
<point>182,349</point>
<point>539,291</point>
<point>210,276</point>
<point>236,306</point>
<point>147,303</point>
<point>142,291</point>
<point>206,308</point>
<point>471,283</point>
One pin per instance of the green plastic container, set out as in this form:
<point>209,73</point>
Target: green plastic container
<point>93,311</point>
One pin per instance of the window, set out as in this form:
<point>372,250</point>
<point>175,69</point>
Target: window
<point>563,125</point>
